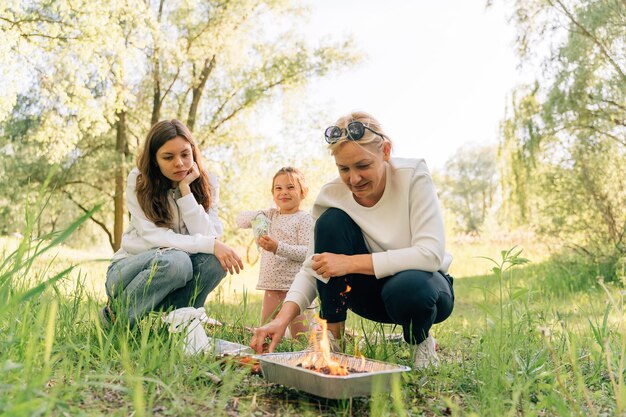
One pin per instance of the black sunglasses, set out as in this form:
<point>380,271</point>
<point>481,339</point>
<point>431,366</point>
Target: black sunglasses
<point>354,131</point>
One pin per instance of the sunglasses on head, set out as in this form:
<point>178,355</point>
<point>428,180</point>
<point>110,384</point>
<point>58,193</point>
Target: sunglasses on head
<point>354,131</point>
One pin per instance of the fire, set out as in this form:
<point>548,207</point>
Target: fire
<point>348,289</point>
<point>320,359</point>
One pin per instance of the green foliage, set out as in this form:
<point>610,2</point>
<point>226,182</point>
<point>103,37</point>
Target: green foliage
<point>506,314</point>
<point>537,352</point>
<point>469,186</point>
<point>95,76</point>
<point>518,148</point>
<point>563,143</point>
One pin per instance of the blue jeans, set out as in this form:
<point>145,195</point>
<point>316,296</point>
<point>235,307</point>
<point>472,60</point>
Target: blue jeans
<point>159,279</point>
<point>413,299</point>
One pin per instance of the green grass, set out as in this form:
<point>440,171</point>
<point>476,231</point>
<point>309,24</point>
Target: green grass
<point>538,339</point>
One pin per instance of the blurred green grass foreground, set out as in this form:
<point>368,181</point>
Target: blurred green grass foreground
<point>540,338</point>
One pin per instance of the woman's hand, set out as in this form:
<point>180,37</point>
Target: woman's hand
<point>268,243</point>
<point>228,258</point>
<point>330,265</point>
<point>274,330</point>
<point>192,175</point>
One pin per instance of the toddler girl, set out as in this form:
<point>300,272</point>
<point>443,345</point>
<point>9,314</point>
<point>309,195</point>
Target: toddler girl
<point>283,235</point>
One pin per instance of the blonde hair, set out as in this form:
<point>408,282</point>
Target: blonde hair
<point>369,137</point>
<point>296,176</point>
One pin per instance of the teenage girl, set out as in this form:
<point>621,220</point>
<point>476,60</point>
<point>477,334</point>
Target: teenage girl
<point>170,255</point>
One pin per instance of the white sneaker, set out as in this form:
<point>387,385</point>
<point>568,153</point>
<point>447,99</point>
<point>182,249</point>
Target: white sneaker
<point>426,354</point>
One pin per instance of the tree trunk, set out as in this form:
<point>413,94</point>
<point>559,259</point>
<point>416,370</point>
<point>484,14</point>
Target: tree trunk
<point>120,176</point>
<point>197,92</point>
<point>156,98</point>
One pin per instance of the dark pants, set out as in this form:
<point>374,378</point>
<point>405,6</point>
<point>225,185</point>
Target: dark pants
<point>414,299</point>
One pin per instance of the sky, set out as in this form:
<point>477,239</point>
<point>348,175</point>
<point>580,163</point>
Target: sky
<point>437,74</point>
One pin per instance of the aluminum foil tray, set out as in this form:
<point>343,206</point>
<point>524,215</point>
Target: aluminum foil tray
<point>281,368</point>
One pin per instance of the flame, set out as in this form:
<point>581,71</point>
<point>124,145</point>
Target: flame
<point>362,369</point>
<point>348,289</point>
<point>319,359</point>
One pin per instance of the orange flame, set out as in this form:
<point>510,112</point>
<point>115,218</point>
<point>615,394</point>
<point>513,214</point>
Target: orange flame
<point>348,289</point>
<point>319,359</point>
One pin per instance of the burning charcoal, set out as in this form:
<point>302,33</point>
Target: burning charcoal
<point>328,371</point>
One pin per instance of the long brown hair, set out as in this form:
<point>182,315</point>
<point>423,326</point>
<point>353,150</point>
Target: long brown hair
<point>152,185</point>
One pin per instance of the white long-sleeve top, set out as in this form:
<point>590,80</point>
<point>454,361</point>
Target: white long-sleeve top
<point>292,232</point>
<point>194,230</point>
<point>403,230</point>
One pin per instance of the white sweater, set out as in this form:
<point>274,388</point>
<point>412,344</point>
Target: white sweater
<point>403,230</point>
<point>194,229</point>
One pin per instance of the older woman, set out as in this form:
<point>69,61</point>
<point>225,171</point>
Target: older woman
<point>379,230</point>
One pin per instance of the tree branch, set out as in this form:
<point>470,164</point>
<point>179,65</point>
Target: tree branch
<point>601,202</point>
<point>37,20</point>
<point>89,185</point>
<point>169,87</point>
<point>41,35</point>
<point>611,102</point>
<point>85,210</point>
<point>607,134</point>
<point>595,40</point>
<point>261,89</point>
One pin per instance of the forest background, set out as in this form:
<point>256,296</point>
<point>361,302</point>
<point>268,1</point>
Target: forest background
<point>83,81</point>
<point>82,85</point>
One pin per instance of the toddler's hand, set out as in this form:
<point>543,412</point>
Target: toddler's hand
<point>268,243</point>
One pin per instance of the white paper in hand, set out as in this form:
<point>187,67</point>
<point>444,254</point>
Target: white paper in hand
<point>307,265</point>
